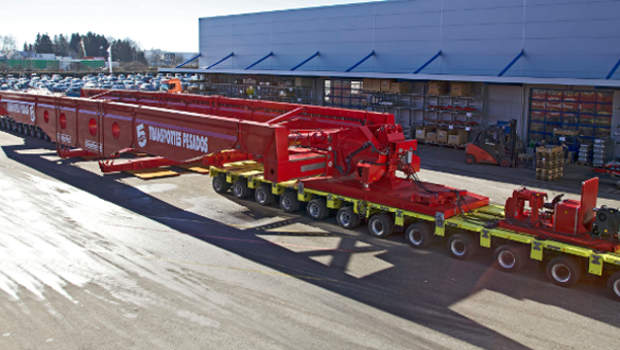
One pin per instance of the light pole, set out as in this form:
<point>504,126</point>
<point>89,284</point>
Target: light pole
<point>110,58</point>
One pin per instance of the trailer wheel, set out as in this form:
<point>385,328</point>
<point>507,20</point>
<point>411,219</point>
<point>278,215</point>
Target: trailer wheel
<point>219,183</point>
<point>563,271</point>
<point>347,218</point>
<point>240,188</point>
<point>289,202</point>
<point>317,209</point>
<point>380,225</point>
<point>461,246</point>
<point>509,258</point>
<point>613,283</point>
<point>263,195</point>
<point>419,234</point>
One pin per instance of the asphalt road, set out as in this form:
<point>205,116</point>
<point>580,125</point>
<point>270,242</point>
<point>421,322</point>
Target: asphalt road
<point>112,262</point>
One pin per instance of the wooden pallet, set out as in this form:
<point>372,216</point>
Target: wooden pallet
<point>195,168</point>
<point>148,174</point>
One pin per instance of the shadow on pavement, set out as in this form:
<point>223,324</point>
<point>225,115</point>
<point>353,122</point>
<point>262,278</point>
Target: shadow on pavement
<point>420,286</point>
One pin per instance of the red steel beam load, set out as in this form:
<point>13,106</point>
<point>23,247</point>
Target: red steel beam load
<point>354,153</point>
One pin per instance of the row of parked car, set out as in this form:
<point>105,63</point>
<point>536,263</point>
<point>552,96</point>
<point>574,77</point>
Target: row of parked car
<point>71,85</point>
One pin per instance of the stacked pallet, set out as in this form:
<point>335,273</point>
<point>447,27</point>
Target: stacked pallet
<point>598,153</point>
<point>549,163</point>
<point>584,154</point>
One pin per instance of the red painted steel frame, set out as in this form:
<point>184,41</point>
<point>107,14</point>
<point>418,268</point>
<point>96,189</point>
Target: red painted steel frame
<point>573,228</point>
<point>110,166</point>
<point>178,133</point>
<point>73,153</point>
<point>359,151</point>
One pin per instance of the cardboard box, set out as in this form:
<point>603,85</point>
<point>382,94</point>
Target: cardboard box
<point>457,137</point>
<point>401,87</point>
<point>438,88</point>
<point>303,82</point>
<point>420,134</point>
<point>371,85</point>
<point>430,137</point>
<point>460,89</point>
<point>385,85</point>
<point>442,136</point>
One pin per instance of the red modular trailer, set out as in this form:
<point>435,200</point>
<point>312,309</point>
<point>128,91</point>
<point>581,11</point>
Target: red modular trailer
<point>356,153</point>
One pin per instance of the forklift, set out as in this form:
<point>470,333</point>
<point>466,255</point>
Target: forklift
<point>496,145</point>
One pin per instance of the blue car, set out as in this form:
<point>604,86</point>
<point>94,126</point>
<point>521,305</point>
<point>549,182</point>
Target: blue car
<point>73,91</point>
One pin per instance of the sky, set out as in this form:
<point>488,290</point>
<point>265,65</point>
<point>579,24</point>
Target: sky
<point>153,24</point>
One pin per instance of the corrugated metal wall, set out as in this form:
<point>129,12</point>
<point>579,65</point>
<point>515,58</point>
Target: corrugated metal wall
<point>561,38</point>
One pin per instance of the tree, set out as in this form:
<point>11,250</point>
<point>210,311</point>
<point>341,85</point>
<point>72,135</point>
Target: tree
<point>43,44</point>
<point>95,44</point>
<point>7,44</point>
<point>61,45</point>
<point>91,44</point>
<point>75,48</point>
<point>127,51</point>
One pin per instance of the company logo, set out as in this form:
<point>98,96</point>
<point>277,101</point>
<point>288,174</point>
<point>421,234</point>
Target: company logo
<point>186,140</point>
<point>25,108</point>
<point>141,135</point>
<point>93,146</point>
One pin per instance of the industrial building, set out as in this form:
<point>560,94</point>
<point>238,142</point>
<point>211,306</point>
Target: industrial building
<point>451,65</point>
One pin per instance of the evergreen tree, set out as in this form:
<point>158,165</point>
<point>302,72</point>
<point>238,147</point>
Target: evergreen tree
<point>61,45</point>
<point>43,44</point>
<point>75,48</point>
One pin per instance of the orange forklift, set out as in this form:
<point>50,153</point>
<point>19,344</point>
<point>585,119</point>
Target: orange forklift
<point>494,145</point>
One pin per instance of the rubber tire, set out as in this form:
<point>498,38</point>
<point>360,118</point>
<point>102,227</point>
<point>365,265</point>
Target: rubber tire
<point>613,284</point>
<point>461,246</point>
<point>317,209</point>
<point>386,227</point>
<point>570,265</point>
<point>289,202</point>
<point>219,183</point>
<point>263,195</point>
<point>419,234</point>
<point>240,188</point>
<point>347,218</point>
<point>470,159</point>
<point>509,258</point>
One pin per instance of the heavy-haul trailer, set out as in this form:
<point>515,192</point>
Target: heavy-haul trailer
<point>357,163</point>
